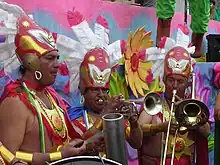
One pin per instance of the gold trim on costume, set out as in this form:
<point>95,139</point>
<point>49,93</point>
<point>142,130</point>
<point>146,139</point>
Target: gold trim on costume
<point>27,157</point>
<point>182,142</point>
<point>98,124</point>
<point>28,43</point>
<point>6,154</point>
<point>54,116</point>
<point>55,156</point>
<point>127,131</point>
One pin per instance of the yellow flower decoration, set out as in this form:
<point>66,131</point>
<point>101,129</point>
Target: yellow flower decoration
<point>137,71</point>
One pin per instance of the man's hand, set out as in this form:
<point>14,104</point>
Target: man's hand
<point>173,127</point>
<point>113,104</point>
<point>74,148</point>
<point>129,111</point>
<point>96,145</point>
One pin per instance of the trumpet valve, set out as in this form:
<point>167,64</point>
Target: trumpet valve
<point>182,130</point>
<point>198,120</point>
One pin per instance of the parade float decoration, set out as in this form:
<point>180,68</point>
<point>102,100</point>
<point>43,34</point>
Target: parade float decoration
<point>126,32</point>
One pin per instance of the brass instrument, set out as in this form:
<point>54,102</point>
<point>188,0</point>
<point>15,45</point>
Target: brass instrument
<point>152,103</point>
<point>187,113</point>
<point>191,112</point>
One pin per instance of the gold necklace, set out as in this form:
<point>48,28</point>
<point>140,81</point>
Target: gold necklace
<point>54,117</point>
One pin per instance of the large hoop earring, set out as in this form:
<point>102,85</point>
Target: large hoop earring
<point>38,75</point>
<point>82,99</point>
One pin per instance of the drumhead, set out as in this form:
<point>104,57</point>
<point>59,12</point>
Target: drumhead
<point>84,160</point>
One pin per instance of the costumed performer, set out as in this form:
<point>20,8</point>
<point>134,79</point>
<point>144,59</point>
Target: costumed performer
<point>95,72</point>
<point>177,70</point>
<point>94,85</point>
<point>200,12</point>
<point>37,113</point>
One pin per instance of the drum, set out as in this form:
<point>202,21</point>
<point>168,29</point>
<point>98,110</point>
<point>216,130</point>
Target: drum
<point>84,160</point>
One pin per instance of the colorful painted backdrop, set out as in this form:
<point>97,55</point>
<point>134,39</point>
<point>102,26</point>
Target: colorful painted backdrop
<point>122,19</point>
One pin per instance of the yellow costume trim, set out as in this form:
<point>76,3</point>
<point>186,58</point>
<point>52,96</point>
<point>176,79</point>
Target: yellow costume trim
<point>151,128</point>
<point>6,154</point>
<point>98,124</point>
<point>128,131</point>
<point>182,145</point>
<point>182,142</point>
<point>59,147</point>
<point>55,156</point>
<point>27,157</point>
<point>54,116</point>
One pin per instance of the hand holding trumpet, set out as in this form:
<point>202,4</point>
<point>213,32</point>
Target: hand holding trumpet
<point>113,103</point>
<point>119,105</point>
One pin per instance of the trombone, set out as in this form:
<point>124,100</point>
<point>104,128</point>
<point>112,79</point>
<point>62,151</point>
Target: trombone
<point>191,112</point>
<point>187,113</point>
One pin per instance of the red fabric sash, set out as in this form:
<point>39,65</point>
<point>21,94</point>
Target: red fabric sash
<point>10,91</point>
<point>202,151</point>
<point>184,160</point>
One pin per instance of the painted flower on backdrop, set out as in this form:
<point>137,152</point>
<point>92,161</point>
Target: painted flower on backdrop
<point>202,91</point>
<point>138,72</point>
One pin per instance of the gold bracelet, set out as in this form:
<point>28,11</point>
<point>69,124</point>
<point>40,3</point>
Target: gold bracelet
<point>150,128</point>
<point>6,154</point>
<point>154,128</point>
<point>55,156</point>
<point>146,128</point>
<point>27,157</point>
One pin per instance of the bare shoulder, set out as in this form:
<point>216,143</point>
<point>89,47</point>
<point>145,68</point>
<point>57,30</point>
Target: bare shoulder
<point>145,118</point>
<point>13,118</point>
<point>13,107</point>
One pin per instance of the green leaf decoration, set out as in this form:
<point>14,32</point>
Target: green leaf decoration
<point>118,85</point>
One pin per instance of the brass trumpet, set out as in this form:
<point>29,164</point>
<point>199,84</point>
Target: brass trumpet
<point>152,103</point>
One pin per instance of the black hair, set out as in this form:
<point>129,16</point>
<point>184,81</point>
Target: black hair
<point>22,70</point>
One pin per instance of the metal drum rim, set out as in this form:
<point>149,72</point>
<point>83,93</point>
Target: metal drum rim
<point>79,157</point>
<point>118,118</point>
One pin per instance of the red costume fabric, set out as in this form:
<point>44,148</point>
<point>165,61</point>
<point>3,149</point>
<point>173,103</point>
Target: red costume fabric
<point>11,91</point>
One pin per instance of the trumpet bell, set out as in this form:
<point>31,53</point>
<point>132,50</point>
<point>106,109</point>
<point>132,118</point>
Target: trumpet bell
<point>153,103</point>
<point>190,112</point>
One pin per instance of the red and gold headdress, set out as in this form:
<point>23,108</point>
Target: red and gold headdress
<point>177,61</point>
<point>95,70</point>
<point>31,38</point>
